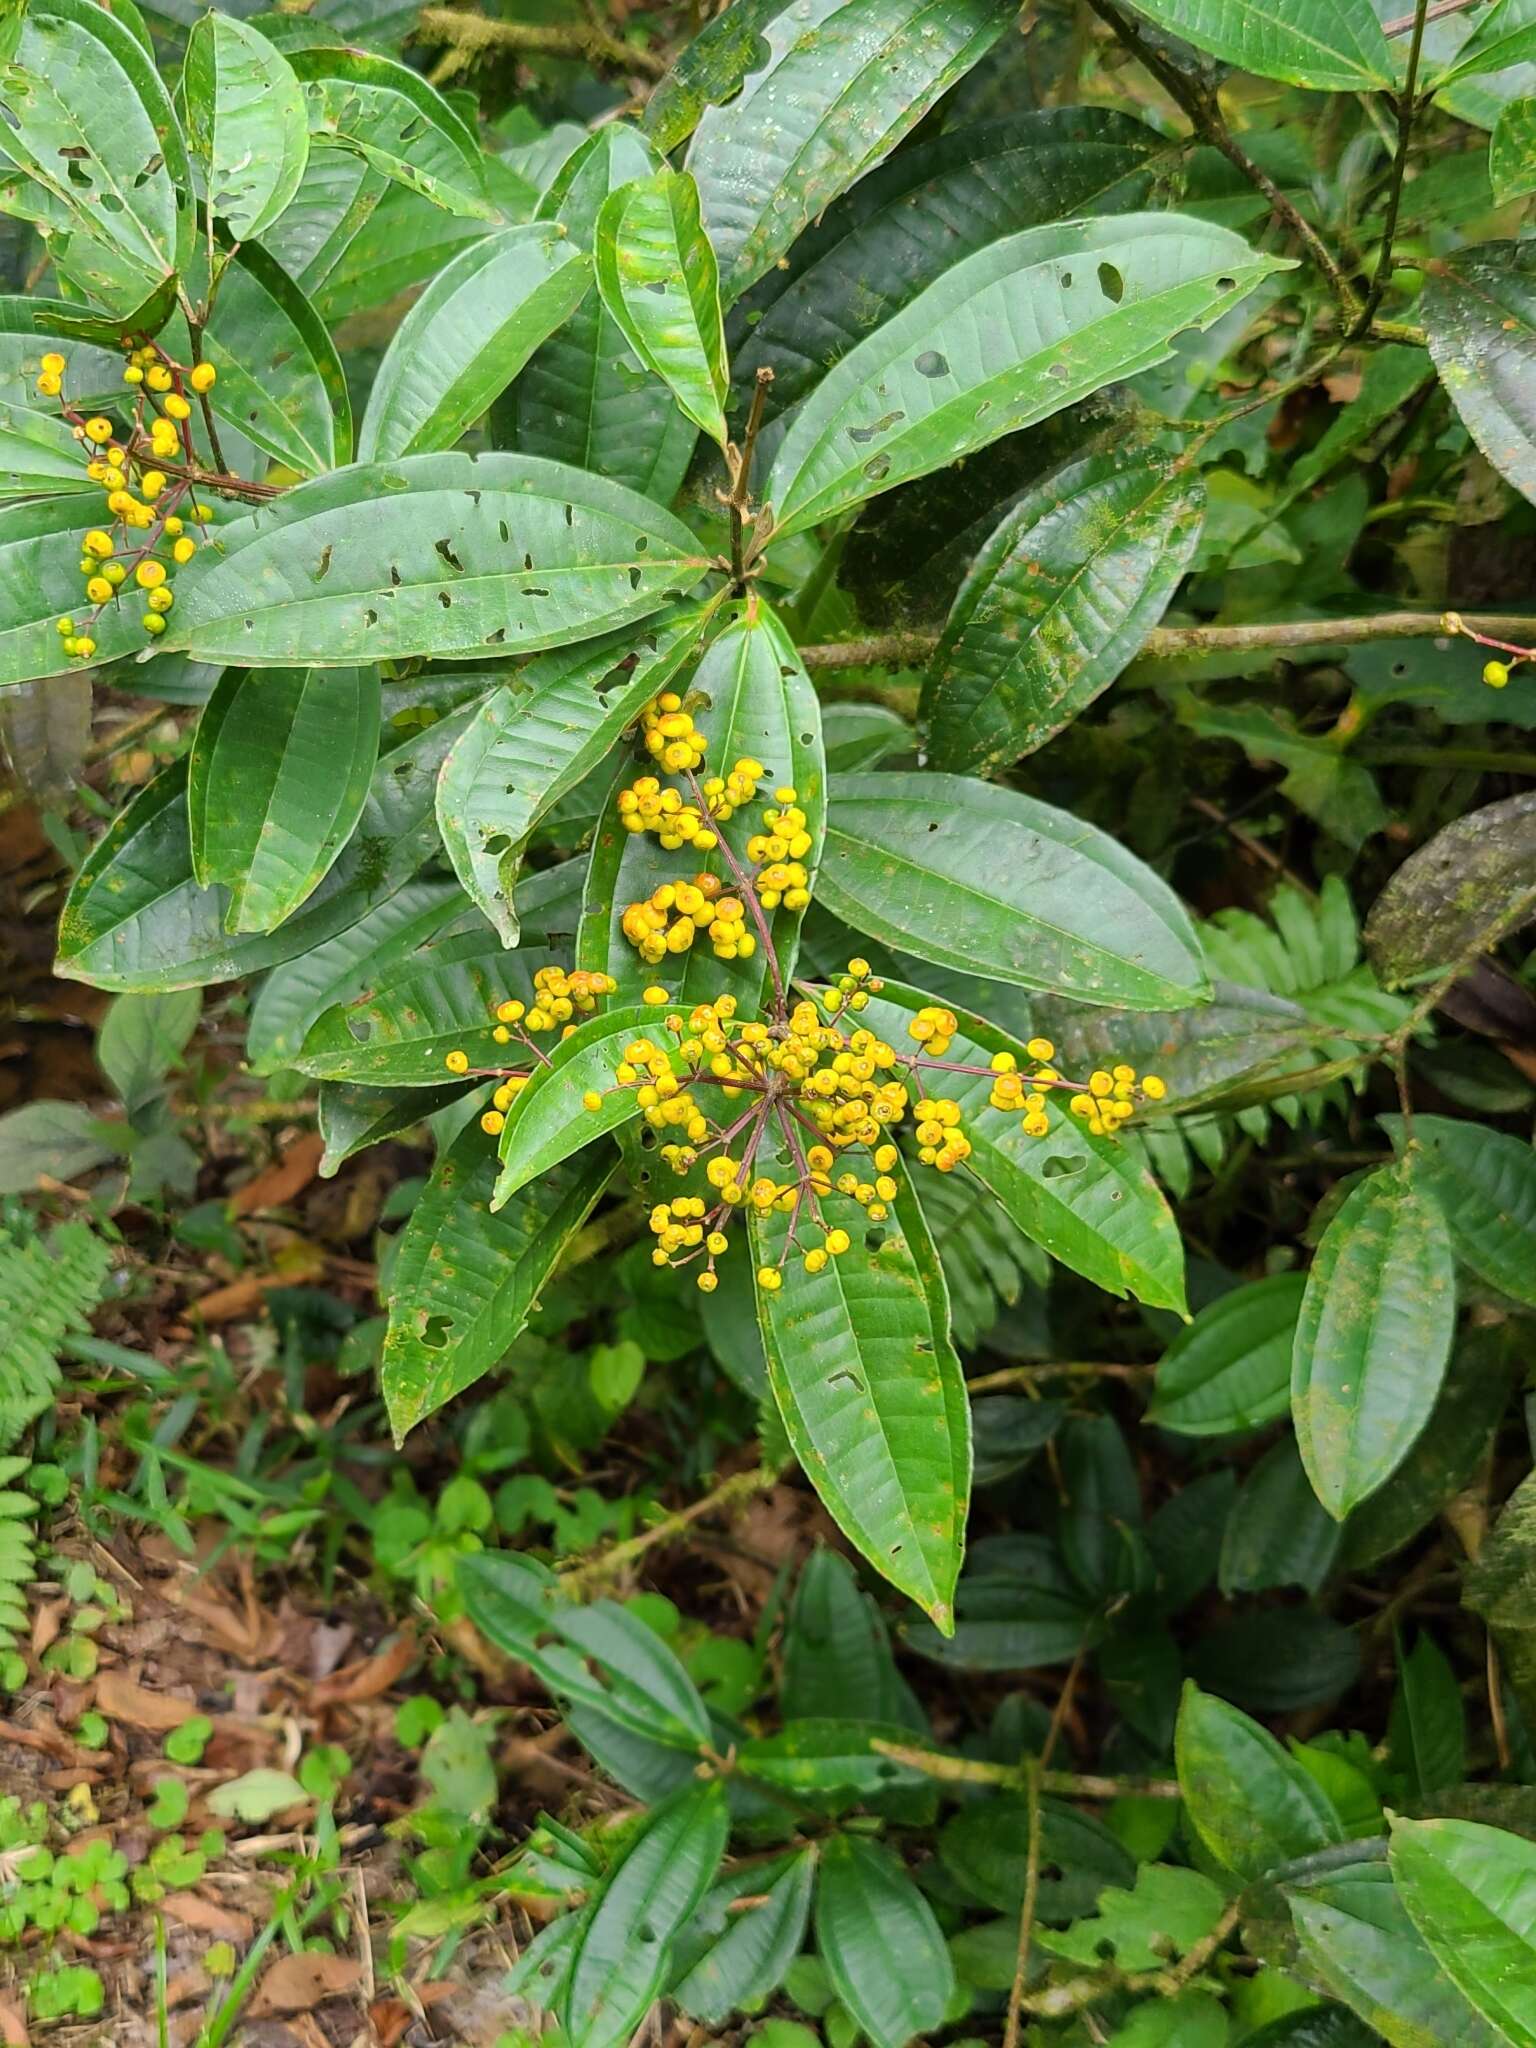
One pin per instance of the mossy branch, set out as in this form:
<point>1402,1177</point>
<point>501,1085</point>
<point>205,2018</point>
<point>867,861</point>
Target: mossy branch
<point>469,37</point>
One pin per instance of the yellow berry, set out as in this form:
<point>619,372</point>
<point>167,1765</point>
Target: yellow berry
<point>1153,1087</point>
<point>203,377</point>
<point>184,549</point>
<point>159,378</point>
<point>838,1241</point>
<point>153,623</point>
<point>115,573</point>
<point>148,574</point>
<point>53,363</point>
<point>98,590</point>
<point>707,1283</point>
<point>493,1121</point>
<point>162,599</point>
<point>177,407</point>
<point>173,526</point>
<point>770,1279</point>
<point>98,543</point>
<point>85,646</point>
<point>133,374</point>
<point>655,997</point>
<point>457,1062</point>
<point>1496,674</point>
<point>1040,1049</point>
<point>50,387</point>
<point>98,430</point>
<point>592,1100</point>
<point>64,625</point>
<point>152,483</point>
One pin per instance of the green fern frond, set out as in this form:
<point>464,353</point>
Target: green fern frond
<point>48,1288</point>
<point>988,1261</point>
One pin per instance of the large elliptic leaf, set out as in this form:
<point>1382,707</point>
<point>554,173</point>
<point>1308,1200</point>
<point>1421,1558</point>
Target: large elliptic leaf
<point>1503,35</point>
<point>749,696</point>
<point>1059,599</point>
<point>39,456</point>
<point>280,379</point>
<point>466,1277</point>
<point>245,121</point>
<point>908,222</point>
<point>583,398</point>
<point>336,199</point>
<point>1485,1184</point>
<point>536,738</point>
<point>882,1946</point>
<point>1479,308</point>
<point>624,1950</point>
<point>1230,1369</point>
<point>277,779</point>
<point>469,334</point>
<point>97,151</point>
<point>1471,1892</point>
<point>549,1121</point>
<point>1373,1336</point>
<point>440,555</point>
<point>737,1957</point>
<point>832,87</point>
<point>401,1029</point>
<point>1004,339</point>
<point>135,917</point>
<point>404,243</point>
<point>1329,45</point>
<point>1089,1201</point>
<point>867,1381</point>
<point>989,881</point>
<point>398,124</point>
<point>40,583</point>
<point>656,271</point>
<point>1253,1806</point>
<point>1457,894</point>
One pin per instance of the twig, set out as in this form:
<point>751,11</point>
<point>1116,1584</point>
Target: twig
<point>1015,2021</point>
<point>471,35</point>
<point>965,1770</point>
<point>741,1486</point>
<point>1436,12</point>
<point>1407,109</point>
<point>1031,1375</point>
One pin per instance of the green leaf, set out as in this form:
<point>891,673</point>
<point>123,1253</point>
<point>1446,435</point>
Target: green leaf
<point>1479,310</point>
<point>468,335</point>
<point>141,1039</point>
<point>867,1381</point>
<point>443,999</point>
<point>1502,36</point>
<point>811,1759</point>
<point>1471,1892</point>
<point>101,191</point>
<point>281,383</point>
<point>750,696</point>
<point>1485,1183</point>
<point>904,225</point>
<point>600,1657</point>
<point>465,1277</point>
<point>277,779</point>
<point>746,1952</point>
<point>1018,1609</point>
<point>536,738</point>
<point>583,398</point>
<point>33,327</point>
<point>1456,894</point>
<point>881,1944</point>
<point>245,121</point>
<point>336,199</point>
<point>1498,1588</point>
<point>1253,1806</point>
<point>384,561</point>
<point>1373,1336</point>
<point>1512,152</point>
<point>623,1952</point>
<point>828,92</point>
<point>984,1848</point>
<point>1002,341</point>
<point>1055,604</point>
<point>398,124</point>
<point>1230,1369</point>
<point>256,1796</point>
<point>39,456</point>
<point>993,883</point>
<point>837,1651</point>
<point>1427,1729</point>
<point>351,1118</point>
<point>1089,1201</point>
<point>1328,45</point>
<point>1167,1913</point>
<point>548,1121</point>
<point>136,918</point>
<point>61,1139</point>
<point>1364,1950</point>
<point>1278,1532</point>
<point>660,285</point>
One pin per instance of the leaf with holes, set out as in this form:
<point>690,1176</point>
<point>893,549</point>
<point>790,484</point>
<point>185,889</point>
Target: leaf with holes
<point>466,1276</point>
<point>1006,338</point>
<point>101,192</point>
<point>468,335</point>
<point>829,90</point>
<point>735,1956</point>
<point>993,883</point>
<point>398,124</point>
<point>281,383</point>
<point>1058,600</point>
<point>1329,45</point>
<point>1089,1201</point>
<point>656,271</point>
<point>389,560</point>
<point>751,696</point>
<point>1230,1369</point>
<point>1471,1892</point>
<point>277,778</point>
<point>1480,315</point>
<point>538,736</point>
<point>1373,1336</point>
<point>624,1951</point>
<point>583,398</point>
<point>548,1120</point>
<point>882,1946</point>
<point>245,120</point>
<point>867,1381</point>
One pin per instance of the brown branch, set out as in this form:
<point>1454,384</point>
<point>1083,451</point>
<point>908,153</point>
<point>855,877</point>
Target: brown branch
<point>474,35</point>
<point>1407,109</point>
<point>741,1486</point>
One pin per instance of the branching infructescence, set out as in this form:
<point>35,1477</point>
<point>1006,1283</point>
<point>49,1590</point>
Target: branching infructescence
<point>1496,673</point>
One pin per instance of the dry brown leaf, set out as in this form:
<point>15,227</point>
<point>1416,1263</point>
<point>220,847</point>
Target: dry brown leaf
<point>13,2028</point>
<point>120,1698</point>
<point>299,1983</point>
<point>286,1177</point>
<point>46,1624</point>
<point>223,1923</point>
<point>185,1986</point>
<point>374,1675</point>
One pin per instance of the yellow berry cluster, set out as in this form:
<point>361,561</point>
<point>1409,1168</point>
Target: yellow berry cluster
<point>673,915</point>
<point>779,852</point>
<point>561,997</point>
<point>647,807</point>
<point>1109,1100</point>
<point>139,496</point>
<point>934,1029</point>
<point>941,1143</point>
